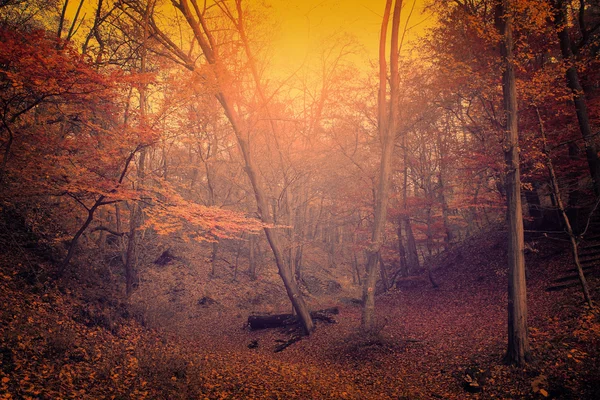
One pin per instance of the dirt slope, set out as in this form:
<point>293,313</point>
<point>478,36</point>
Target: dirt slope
<point>67,340</point>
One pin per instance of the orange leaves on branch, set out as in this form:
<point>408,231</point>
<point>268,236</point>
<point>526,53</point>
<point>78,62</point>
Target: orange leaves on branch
<point>171,214</point>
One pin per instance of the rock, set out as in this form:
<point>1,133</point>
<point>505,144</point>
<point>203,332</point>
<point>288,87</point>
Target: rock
<point>253,344</point>
<point>206,301</point>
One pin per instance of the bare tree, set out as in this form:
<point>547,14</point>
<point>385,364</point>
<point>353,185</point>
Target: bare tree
<point>387,120</point>
<point>196,15</point>
<point>518,341</point>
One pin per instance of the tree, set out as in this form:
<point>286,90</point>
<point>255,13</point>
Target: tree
<point>387,124</point>
<point>518,342</point>
<point>216,69</point>
<point>561,209</point>
<point>574,84</point>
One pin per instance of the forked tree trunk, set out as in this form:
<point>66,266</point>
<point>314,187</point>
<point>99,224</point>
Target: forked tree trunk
<point>518,342</point>
<point>75,241</point>
<point>387,132</point>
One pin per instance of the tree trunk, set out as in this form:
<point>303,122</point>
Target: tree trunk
<point>449,237</point>
<point>384,276</point>
<point>75,240</point>
<point>387,131</point>
<point>429,230</point>
<point>403,268</point>
<point>557,195</point>
<point>213,258</point>
<point>412,256</point>
<point>518,342</point>
<point>356,268</point>
<point>130,258</point>
<point>534,207</point>
<point>573,82</point>
<point>131,278</point>
<point>252,257</point>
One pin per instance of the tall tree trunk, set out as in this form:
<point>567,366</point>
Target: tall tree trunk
<point>449,237</point>
<point>518,342</point>
<point>387,131</point>
<point>135,220</point>
<point>384,275</point>
<point>429,230</point>
<point>356,269</point>
<point>401,249</point>
<point>573,82</point>
<point>131,254</point>
<point>412,256</point>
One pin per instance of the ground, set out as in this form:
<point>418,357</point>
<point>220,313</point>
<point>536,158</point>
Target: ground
<point>73,341</point>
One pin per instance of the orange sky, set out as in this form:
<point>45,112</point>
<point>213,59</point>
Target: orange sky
<point>305,23</point>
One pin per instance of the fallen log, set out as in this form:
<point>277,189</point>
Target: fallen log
<point>266,321</point>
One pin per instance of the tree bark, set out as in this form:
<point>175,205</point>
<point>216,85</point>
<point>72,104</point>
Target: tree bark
<point>252,257</point>
<point>518,342</point>
<point>213,257</point>
<point>387,132</point>
<point>131,278</point>
<point>412,256</point>
<point>384,276</point>
<point>573,82</point>
<point>449,238</point>
<point>403,268</point>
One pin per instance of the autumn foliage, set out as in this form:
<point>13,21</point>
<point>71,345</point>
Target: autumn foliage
<point>162,178</point>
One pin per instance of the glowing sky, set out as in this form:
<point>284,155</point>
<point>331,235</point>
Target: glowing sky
<point>306,23</point>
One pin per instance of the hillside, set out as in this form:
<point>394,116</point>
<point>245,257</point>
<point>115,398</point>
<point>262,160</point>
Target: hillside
<point>75,339</point>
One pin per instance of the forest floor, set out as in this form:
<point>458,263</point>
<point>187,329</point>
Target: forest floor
<point>58,342</point>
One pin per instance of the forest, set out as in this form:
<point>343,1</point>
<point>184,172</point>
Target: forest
<point>202,200</point>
